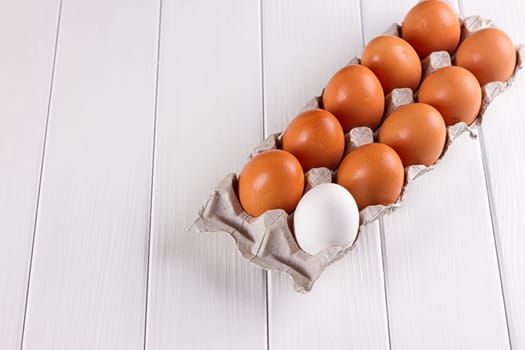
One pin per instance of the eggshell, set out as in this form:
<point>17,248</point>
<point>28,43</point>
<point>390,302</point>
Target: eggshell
<point>315,138</point>
<point>394,62</point>
<point>355,96</point>
<point>267,241</point>
<point>431,25</point>
<point>489,54</point>
<point>373,174</point>
<point>326,216</point>
<point>417,132</point>
<point>271,180</point>
<point>454,92</point>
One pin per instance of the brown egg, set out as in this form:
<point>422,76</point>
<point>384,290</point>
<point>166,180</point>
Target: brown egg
<point>355,96</point>
<point>393,61</point>
<point>316,139</point>
<point>373,174</point>
<point>454,92</point>
<point>431,25</point>
<point>271,180</point>
<point>489,54</point>
<point>417,132</point>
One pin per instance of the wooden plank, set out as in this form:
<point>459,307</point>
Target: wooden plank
<point>345,309</point>
<point>502,138</point>
<point>202,294</point>
<point>88,278</point>
<point>305,42</point>
<point>441,269</point>
<point>442,277</point>
<point>27,33</point>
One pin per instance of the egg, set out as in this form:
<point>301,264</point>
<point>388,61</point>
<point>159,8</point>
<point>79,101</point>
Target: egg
<point>271,180</point>
<point>393,61</point>
<point>417,132</point>
<point>326,216</point>
<point>373,174</point>
<point>489,54</point>
<point>355,96</point>
<point>454,92</point>
<point>316,139</point>
<point>431,25</point>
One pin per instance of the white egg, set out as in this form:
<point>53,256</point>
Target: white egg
<point>326,216</point>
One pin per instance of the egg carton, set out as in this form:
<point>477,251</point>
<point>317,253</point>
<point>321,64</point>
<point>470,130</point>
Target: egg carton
<point>268,242</point>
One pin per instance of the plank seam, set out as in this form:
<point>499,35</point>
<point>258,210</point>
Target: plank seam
<point>363,39</point>
<point>263,87</point>
<point>383,264</point>
<point>495,231</point>
<point>40,180</point>
<point>152,184</point>
<point>264,132</point>
<point>381,223</point>
<point>492,212</point>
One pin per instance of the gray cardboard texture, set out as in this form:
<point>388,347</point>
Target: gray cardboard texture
<point>268,241</point>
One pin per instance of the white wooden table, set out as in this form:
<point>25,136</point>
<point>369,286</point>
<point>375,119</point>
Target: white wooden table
<point>117,117</point>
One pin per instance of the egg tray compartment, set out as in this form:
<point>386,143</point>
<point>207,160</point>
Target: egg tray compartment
<point>268,242</point>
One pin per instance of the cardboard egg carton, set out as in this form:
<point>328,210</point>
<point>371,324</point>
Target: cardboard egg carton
<point>268,241</point>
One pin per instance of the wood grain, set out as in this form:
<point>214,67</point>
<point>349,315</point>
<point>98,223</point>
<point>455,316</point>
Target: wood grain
<point>229,73</point>
<point>440,264</point>
<point>88,278</point>
<point>203,295</point>
<point>305,42</point>
<point>442,277</point>
<point>27,33</point>
<point>503,141</point>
